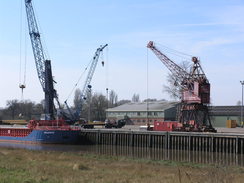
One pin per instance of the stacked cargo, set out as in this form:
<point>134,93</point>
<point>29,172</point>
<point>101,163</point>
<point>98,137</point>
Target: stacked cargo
<point>231,124</point>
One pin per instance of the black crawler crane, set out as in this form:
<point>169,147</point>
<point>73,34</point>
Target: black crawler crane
<point>43,65</point>
<point>75,116</point>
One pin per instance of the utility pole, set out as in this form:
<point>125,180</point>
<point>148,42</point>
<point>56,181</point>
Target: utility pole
<point>107,103</point>
<point>242,83</point>
<point>89,105</point>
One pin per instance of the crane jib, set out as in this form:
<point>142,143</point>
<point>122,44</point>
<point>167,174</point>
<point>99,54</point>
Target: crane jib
<point>175,69</point>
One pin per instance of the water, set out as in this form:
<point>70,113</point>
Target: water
<point>226,159</point>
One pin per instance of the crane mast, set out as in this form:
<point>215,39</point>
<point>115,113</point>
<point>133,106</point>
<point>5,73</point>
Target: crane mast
<point>43,65</point>
<point>195,93</point>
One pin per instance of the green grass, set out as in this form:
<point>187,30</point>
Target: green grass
<point>26,166</point>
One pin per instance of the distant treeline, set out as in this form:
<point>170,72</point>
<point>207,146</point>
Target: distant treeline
<point>16,109</point>
<point>93,108</point>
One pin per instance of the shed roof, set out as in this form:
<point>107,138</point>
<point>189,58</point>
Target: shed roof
<point>225,110</point>
<point>142,106</point>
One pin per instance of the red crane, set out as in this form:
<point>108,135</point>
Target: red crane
<point>195,93</point>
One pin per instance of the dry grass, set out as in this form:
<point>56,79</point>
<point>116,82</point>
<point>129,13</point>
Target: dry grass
<point>25,166</point>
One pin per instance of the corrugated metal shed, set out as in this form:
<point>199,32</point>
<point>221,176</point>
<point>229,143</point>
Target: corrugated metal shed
<point>225,110</point>
<point>142,106</point>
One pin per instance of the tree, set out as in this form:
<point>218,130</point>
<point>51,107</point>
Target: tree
<point>12,107</point>
<point>238,103</point>
<point>174,88</point>
<point>77,98</point>
<point>94,108</point>
<point>1,114</point>
<point>98,107</point>
<point>121,102</point>
<point>26,109</point>
<point>113,99</point>
<point>37,110</point>
<point>21,110</point>
<point>150,100</point>
<point>136,98</point>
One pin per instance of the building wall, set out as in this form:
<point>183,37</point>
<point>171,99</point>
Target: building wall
<point>220,121</point>
<point>170,114</point>
<point>139,117</point>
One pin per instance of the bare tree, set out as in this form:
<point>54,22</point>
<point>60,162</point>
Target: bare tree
<point>37,110</point>
<point>13,107</point>
<point>113,99</point>
<point>98,107</point>
<point>121,102</point>
<point>26,109</point>
<point>136,98</point>
<point>174,87</point>
<point>21,110</point>
<point>77,98</point>
<point>238,103</point>
<point>150,100</point>
<point>94,108</point>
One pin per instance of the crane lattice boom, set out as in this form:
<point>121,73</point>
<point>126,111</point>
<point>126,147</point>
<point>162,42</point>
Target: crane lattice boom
<point>90,74</point>
<point>36,42</point>
<point>175,69</point>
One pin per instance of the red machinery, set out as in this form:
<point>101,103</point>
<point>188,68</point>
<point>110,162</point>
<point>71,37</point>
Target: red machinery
<point>165,125</point>
<point>193,112</point>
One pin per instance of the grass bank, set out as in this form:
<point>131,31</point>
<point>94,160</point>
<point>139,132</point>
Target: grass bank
<point>25,166</point>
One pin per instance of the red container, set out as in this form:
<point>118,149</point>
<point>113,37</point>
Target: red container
<point>165,125</point>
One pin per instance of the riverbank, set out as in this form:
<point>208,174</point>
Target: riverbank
<point>27,166</point>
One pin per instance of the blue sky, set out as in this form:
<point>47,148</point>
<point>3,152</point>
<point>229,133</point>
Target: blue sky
<point>72,30</point>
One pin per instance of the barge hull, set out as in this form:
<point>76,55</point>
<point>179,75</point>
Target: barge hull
<point>46,137</point>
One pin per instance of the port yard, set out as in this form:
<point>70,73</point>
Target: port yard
<point>129,155</point>
<point>97,137</point>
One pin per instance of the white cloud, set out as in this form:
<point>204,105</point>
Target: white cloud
<point>200,46</point>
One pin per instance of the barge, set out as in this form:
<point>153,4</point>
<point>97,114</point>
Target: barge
<point>40,131</point>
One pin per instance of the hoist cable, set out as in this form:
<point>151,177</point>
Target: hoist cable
<point>147,87</point>
<point>20,44</point>
<point>25,53</point>
<point>107,77</point>
<point>175,52</point>
<point>82,74</point>
<point>107,68</point>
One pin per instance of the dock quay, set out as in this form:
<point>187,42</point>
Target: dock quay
<point>206,148</point>
<point>229,143</point>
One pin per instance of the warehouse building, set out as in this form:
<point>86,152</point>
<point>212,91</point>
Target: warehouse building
<point>220,114</point>
<point>141,112</point>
